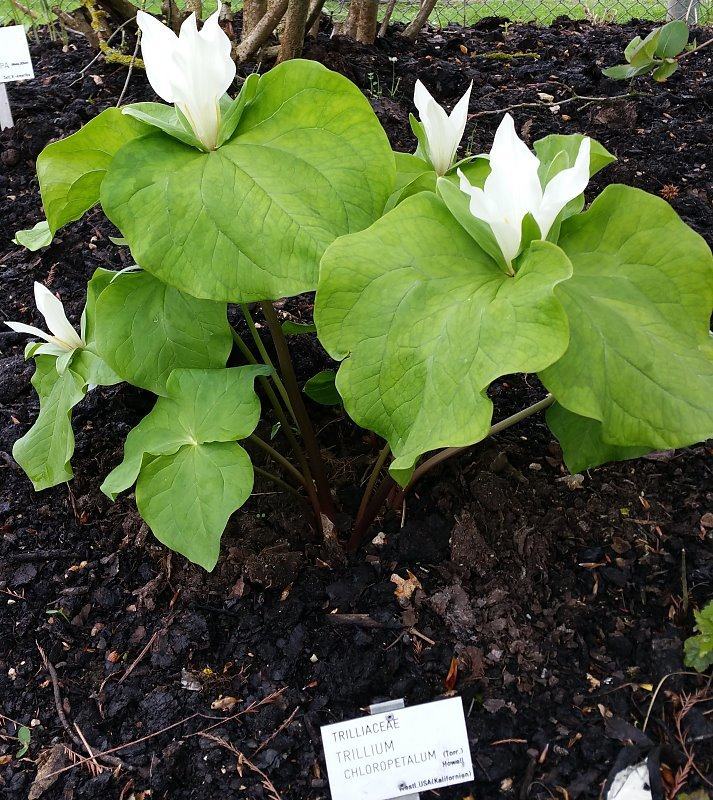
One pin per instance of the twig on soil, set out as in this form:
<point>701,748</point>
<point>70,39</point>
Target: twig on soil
<point>138,658</point>
<point>508,741</point>
<point>251,709</point>
<point>78,740</point>
<point>685,703</point>
<point>361,621</point>
<point>267,784</point>
<point>130,70</point>
<point>658,689</point>
<point>546,104</point>
<point>100,53</point>
<point>39,555</point>
<point>276,733</point>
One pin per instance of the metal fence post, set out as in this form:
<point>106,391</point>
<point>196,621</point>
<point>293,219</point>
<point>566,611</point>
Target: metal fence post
<point>687,10</point>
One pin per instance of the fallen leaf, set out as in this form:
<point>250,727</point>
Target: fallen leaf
<point>405,587</point>
<point>224,703</point>
<point>707,520</point>
<point>49,762</point>
<point>452,676</point>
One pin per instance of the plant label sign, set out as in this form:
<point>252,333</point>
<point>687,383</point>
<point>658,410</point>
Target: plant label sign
<point>15,61</point>
<point>398,752</point>
<point>15,65</point>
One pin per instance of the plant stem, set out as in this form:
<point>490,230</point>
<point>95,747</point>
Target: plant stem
<point>281,460</point>
<point>244,349</point>
<point>365,519</point>
<point>305,477</point>
<point>443,455</point>
<point>267,360</point>
<point>314,456</point>
<point>279,482</point>
<point>375,505</point>
<point>376,471</point>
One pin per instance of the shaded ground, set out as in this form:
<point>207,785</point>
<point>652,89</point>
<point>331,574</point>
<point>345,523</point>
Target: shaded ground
<point>562,603</point>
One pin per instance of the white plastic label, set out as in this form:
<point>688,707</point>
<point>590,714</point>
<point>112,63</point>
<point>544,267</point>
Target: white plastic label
<point>398,752</point>
<point>15,62</point>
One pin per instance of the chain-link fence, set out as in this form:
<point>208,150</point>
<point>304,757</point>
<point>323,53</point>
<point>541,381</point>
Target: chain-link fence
<point>446,12</point>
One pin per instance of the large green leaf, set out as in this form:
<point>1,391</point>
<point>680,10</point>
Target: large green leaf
<point>673,38</point>
<point>190,473</point>
<point>582,443</point>
<point>203,405</point>
<point>640,359</point>
<point>72,170</point>
<point>307,163</point>
<point>187,498</point>
<point>45,450</point>
<point>558,152</point>
<point>428,320</point>
<point>146,329</point>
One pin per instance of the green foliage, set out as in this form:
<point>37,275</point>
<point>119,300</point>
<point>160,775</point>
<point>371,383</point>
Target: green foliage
<point>44,452</point>
<point>296,328</point>
<point>640,356</point>
<point>657,53</point>
<point>428,319</point>
<point>190,474</point>
<point>307,162</point>
<point>71,170</point>
<point>322,389</point>
<point>146,329</point>
<point>424,303</point>
<point>698,649</point>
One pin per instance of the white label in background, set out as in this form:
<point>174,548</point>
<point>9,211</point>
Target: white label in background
<point>398,752</point>
<point>15,62</point>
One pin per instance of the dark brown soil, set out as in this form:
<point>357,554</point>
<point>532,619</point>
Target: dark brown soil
<point>563,604</point>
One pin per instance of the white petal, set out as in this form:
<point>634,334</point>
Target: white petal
<point>53,311</point>
<point>203,61</point>
<point>437,126</point>
<point>158,44</point>
<point>20,327</point>
<point>480,204</point>
<point>565,186</point>
<point>51,350</point>
<point>506,231</point>
<point>459,117</point>
<point>513,182</point>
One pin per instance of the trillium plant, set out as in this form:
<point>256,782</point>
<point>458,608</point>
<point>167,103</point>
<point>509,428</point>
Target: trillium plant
<point>433,278</point>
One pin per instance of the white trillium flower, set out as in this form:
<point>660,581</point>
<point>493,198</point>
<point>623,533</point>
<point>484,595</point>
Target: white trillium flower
<point>443,131</point>
<point>64,339</point>
<point>192,70</point>
<point>513,189</point>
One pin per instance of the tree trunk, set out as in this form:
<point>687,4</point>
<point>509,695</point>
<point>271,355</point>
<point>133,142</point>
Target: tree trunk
<point>387,17</point>
<point>293,35</point>
<point>253,12</point>
<point>195,7</point>
<point>414,28</point>
<point>315,12</point>
<point>260,33</point>
<point>361,21</point>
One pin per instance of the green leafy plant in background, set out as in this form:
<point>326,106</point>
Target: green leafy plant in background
<point>433,276</point>
<point>698,649</point>
<point>658,53</point>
